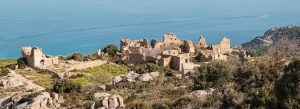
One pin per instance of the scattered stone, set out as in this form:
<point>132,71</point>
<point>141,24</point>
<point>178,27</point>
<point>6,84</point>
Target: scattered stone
<point>9,82</point>
<point>120,100</point>
<point>201,94</point>
<point>145,77</point>
<point>101,88</point>
<point>131,76</point>
<point>104,103</point>
<point>101,95</point>
<point>154,74</point>
<point>112,103</point>
<point>117,79</point>
<point>178,75</point>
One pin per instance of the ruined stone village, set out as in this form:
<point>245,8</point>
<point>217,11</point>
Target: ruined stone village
<point>181,56</point>
<point>171,52</point>
<point>176,53</point>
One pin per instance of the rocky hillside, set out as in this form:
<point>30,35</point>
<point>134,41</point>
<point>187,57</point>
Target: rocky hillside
<point>271,36</point>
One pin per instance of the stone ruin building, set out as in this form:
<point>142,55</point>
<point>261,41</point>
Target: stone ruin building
<point>221,51</point>
<point>34,57</point>
<point>171,52</point>
<point>175,53</point>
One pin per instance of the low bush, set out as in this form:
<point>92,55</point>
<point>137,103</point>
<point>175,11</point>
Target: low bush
<point>65,86</point>
<point>4,72</point>
<point>76,57</point>
<point>21,63</point>
<point>111,49</point>
<point>287,89</point>
<point>149,67</point>
<point>214,74</point>
<point>182,103</point>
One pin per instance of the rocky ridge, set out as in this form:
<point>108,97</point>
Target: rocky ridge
<point>272,36</point>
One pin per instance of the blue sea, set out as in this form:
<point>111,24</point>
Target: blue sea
<point>62,27</point>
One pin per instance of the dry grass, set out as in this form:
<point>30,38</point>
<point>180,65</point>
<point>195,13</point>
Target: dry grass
<point>9,91</point>
<point>43,79</point>
<point>99,75</point>
<point>6,62</point>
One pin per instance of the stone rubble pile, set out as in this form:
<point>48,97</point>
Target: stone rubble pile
<point>133,77</point>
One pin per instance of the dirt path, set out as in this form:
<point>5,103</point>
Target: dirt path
<point>29,84</point>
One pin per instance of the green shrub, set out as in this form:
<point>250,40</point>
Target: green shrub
<point>111,49</point>
<point>76,57</point>
<point>93,56</point>
<point>149,67</point>
<point>182,103</point>
<point>256,79</point>
<point>287,89</point>
<point>65,86</point>
<point>4,72</point>
<point>214,74</point>
<point>21,63</point>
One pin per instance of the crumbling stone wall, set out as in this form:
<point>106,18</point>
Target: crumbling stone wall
<point>126,44</point>
<point>171,38</point>
<point>170,53</point>
<point>219,56</point>
<point>188,47</point>
<point>223,47</point>
<point>178,61</point>
<point>163,62</point>
<point>136,58</point>
<point>209,55</point>
<point>152,55</point>
<point>170,41</point>
<point>34,57</point>
<point>201,42</point>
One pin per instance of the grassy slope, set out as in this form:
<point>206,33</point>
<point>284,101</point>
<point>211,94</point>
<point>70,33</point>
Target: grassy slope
<point>99,75</point>
<point>6,62</point>
<point>40,78</point>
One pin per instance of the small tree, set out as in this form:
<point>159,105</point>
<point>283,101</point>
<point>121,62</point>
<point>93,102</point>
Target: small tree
<point>214,74</point>
<point>288,87</point>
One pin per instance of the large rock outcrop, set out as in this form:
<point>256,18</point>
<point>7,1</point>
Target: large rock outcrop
<point>43,100</point>
<point>10,82</point>
<point>107,101</point>
<point>134,77</point>
<point>258,44</point>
